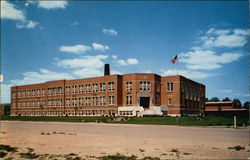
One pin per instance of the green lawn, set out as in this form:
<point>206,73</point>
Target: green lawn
<point>183,121</point>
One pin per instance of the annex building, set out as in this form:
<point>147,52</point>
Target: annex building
<point>135,94</point>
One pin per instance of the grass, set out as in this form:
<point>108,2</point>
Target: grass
<point>2,154</point>
<point>182,121</point>
<point>29,155</point>
<point>118,156</point>
<point>186,121</point>
<point>8,148</point>
<point>237,148</point>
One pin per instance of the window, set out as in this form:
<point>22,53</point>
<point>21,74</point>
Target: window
<point>80,101</point>
<point>59,90</point>
<point>38,92</point>
<point>169,101</point>
<point>95,87</point>
<point>87,101</point>
<point>67,102</point>
<point>102,87</point>
<point>111,86</point>
<point>74,102</point>
<point>43,92</point>
<point>88,88</point>
<point>95,101</point>
<point>67,90</point>
<point>170,87</point>
<point>145,86</point>
<point>102,100</point>
<point>54,91</point>
<point>158,87</point>
<point>81,89</point>
<point>186,92</point>
<point>74,89</point>
<point>49,91</point>
<point>23,94</point>
<point>128,86</point>
<point>128,100</point>
<point>111,100</point>
<point>33,92</point>
<point>157,100</point>
<point>28,93</point>
<point>59,102</point>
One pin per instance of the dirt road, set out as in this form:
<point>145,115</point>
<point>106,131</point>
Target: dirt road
<point>141,140</point>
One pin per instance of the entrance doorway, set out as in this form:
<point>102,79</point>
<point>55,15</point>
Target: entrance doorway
<point>144,102</point>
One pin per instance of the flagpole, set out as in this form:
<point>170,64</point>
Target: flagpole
<point>177,67</point>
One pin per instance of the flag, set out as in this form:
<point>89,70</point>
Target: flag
<point>175,59</point>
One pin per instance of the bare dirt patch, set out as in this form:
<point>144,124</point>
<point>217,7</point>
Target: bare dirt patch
<point>95,140</point>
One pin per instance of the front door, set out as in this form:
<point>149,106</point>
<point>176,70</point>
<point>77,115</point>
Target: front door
<point>144,102</point>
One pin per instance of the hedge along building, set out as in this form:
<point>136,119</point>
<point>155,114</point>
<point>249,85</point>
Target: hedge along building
<point>136,94</point>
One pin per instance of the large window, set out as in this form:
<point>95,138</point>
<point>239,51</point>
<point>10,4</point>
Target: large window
<point>88,101</point>
<point>54,91</point>
<point>95,87</point>
<point>68,90</point>
<point>67,102</point>
<point>81,89</point>
<point>111,100</point>
<point>88,88</point>
<point>145,86</point>
<point>74,89</point>
<point>59,90</point>
<point>128,100</point>
<point>74,102</point>
<point>111,86</point>
<point>102,100</point>
<point>102,87</point>
<point>128,86</point>
<point>158,87</point>
<point>80,101</point>
<point>95,101</point>
<point>170,87</point>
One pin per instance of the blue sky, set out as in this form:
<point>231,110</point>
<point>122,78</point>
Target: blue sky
<point>44,41</point>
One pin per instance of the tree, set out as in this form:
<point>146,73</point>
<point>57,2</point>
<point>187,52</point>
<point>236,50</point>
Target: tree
<point>76,109</point>
<point>226,99</point>
<point>214,99</point>
<point>206,99</point>
<point>246,105</point>
<point>237,103</point>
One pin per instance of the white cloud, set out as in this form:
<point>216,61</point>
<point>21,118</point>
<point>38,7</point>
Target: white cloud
<point>88,72</point>
<point>110,32</point>
<point>27,24</point>
<point>75,23</point>
<point>10,11</point>
<point>225,38</point>
<point>116,72</point>
<point>52,4</point>
<point>186,73</point>
<point>114,57</point>
<point>100,47</point>
<point>42,76</point>
<point>84,62</point>
<point>79,48</point>
<point>129,61</point>
<point>207,59</point>
<point>226,91</point>
<point>5,93</point>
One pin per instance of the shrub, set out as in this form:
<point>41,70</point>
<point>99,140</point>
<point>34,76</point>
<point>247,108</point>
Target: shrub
<point>7,148</point>
<point>2,154</point>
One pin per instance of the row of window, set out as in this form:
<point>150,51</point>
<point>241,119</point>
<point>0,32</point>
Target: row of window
<point>87,88</point>
<point>81,101</point>
<point>67,112</point>
<point>191,93</point>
